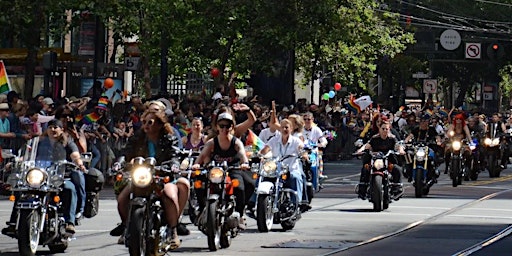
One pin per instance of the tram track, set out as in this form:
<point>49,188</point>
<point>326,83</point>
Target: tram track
<point>429,220</point>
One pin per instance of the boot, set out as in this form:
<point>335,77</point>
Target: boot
<point>172,241</point>
<point>362,189</point>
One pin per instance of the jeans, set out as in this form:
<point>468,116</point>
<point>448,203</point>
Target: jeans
<point>78,180</point>
<point>296,182</point>
<point>96,156</point>
<point>244,190</point>
<point>70,208</point>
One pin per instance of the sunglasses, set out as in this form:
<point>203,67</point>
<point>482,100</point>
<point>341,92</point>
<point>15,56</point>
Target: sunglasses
<point>224,126</point>
<point>148,122</point>
<point>307,119</point>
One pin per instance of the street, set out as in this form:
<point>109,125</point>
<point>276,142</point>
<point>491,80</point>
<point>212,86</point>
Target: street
<point>449,221</point>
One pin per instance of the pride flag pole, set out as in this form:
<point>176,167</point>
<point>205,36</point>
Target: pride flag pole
<point>5,85</point>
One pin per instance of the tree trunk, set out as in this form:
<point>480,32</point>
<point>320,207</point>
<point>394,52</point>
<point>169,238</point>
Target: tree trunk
<point>33,44</point>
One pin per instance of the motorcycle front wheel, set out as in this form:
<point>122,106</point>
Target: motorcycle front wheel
<point>28,232</point>
<point>264,214</point>
<point>136,231</point>
<point>418,183</point>
<point>377,193</point>
<point>213,228</point>
<point>454,174</point>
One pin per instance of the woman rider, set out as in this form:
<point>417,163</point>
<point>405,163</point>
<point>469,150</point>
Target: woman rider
<point>156,139</point>
<point>226,147</point>
<point>283,145</point>
<point>458,130</point>
<point>196,139</point>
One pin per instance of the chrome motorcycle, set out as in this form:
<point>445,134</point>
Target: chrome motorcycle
<point>275,203</point>
<point>37,184</point>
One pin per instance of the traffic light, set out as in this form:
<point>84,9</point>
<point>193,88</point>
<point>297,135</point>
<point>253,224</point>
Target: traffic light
<point>495,51</point>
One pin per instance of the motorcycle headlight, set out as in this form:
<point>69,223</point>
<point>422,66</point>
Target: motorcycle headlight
<point>269,168</point>
<point>184,164</point>
<point>456,145</point>
<point>472,147</point>
<point>487,141</point>
<point>495,142</point>
<point>420,155</point>
<point>35,177</point>
<point>216,175</point>
<point>451,133</point>
<point>142,176</point>
<point>378,164</point>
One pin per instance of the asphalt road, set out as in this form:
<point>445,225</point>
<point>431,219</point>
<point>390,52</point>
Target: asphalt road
<point>450,221</point>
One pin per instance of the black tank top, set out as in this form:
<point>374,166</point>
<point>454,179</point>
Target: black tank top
<point>230,155</point>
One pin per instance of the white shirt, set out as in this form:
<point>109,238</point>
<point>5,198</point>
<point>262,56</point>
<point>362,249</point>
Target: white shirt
<point>217,96</point>
<point>315,135</point>
<point>265,134</point>
<point>292,146</point>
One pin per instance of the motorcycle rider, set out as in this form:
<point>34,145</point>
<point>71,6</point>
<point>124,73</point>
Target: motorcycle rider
<point>496,126</point>
<point>54,135</point>
<point>425,133</point>
<point>283,145</point>
<point>313,133</point>
<point>459,130</point>
<point>226,147</point>
<point>156,139</point>
<point>381,142</point>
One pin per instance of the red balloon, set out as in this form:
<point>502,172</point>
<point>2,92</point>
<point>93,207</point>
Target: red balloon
<point>108,83</point>
<point>337,86</point>
<point>215,72</point>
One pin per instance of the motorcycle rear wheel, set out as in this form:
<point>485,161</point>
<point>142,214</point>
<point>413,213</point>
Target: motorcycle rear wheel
<point>213,227</point>
<point>377,193</point>
<point>264,215</point>
<point>28,232</point>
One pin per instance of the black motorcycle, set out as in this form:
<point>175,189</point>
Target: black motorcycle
<point>218,219</point>
<point>147,225</point>
<point>421,168</point>
<point>493,150</point>
<point>379,190</point>
<point>457,165</point>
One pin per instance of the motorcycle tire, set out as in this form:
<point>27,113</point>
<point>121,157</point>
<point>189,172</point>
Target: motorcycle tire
<point>454,174</point>
<point>493,167</point>
<point>418,184</point>
<point>213,227</point>
<point>377,193</point>
<point>225,238</point>
<point>28,232</point>
<point>386,197</point>
<point>136,231</point>
<point>264,215</point>
<point>192,204</point>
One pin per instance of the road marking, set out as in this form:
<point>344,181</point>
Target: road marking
<point>477,247</point>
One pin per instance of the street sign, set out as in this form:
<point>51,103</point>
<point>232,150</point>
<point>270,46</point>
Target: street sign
<point>430,86</point>
<point>131,63</point>
<point>473,51</point>
<point>450,39</point>
<point>420,75</point>
<point>487,95</point>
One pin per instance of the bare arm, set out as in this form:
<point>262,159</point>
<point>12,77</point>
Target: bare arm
<point>204,156</point>
<point>241,151</point>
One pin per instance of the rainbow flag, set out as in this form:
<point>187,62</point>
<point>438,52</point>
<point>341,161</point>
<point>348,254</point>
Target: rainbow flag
<point>429,112</point>
<point>352,106</point>
<point>443,112</point>
<point>89,118</point>
<point>5,86</point>
<point>401,108</point>
<point>182,128</point>
<point>254,141</point>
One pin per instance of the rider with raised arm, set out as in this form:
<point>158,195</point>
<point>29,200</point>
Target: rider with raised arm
<point>381,142</point>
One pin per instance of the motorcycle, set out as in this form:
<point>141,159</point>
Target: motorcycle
<point>492,150</point>
<point>379,190</point>
<point>187,158</point>
<point>475,165</point>
<point>311,167</point>
<point>421,168</point>
<point>218,219</point>
<point>147,226</point>
<point>275,203</point>
<point>37,184</point>
<point>457,165</point>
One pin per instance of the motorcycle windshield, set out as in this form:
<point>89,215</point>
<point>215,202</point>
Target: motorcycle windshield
<point>42,152</point>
